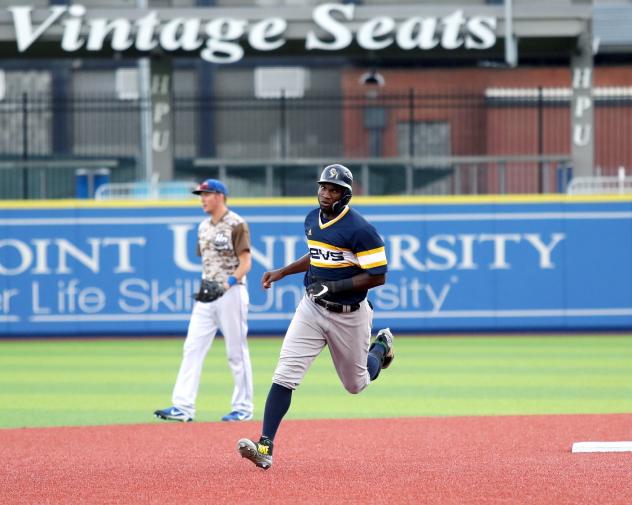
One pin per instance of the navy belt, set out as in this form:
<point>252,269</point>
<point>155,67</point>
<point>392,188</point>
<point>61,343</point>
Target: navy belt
<point>335,307</point>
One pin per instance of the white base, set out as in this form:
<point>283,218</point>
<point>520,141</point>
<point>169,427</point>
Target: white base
<point>602,447</point>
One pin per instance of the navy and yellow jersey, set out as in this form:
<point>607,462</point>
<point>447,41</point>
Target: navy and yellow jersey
<point>342,248</point>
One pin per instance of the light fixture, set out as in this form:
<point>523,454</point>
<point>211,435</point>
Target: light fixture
<point>372,78</point>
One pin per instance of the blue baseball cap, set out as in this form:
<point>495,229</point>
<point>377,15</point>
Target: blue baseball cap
<point>211,186</point>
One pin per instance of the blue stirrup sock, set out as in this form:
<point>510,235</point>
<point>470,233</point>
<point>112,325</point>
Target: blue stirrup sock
<point>374,360</point>
<point>277,405</point>
<point>374,366</point>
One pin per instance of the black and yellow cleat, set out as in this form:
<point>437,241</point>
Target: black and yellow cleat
<point>260,453</point>
<point>385,338</point>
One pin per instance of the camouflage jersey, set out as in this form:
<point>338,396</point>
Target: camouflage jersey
<point>220,245</point>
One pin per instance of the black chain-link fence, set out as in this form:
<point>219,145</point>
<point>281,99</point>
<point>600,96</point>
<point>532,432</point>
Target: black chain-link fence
<point>398,144</point>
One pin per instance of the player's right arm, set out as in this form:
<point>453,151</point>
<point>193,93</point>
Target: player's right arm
<point>300,265</point>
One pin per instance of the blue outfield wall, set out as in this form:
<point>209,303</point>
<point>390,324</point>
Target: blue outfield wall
<point>556,263</point>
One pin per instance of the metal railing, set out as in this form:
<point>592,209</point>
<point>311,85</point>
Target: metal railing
<point>441,175</point>
<point>171,190</point>
<point>601,185</point>
<point>49,178</point>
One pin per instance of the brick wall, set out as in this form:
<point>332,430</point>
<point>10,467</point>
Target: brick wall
<point>477,128</point>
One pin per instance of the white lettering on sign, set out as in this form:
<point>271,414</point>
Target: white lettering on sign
<point>60,256</point>
<point>583,105</point>
<point>71,40</point>
<point>145,28</point>
<point>341,34</point>
<point>68,298</point>
<point>267,35</point>
<point>468,252</point>
<point>441,252</point>
<point>180,33</point>
<point>25,35</point>
<point>219,39</point>
<point>582,78</point>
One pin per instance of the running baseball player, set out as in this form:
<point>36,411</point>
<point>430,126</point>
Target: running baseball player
<point>221,304</point>
<point>346,258</point>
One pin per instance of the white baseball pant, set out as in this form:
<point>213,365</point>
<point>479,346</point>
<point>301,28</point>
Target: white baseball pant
<point>348,336</point>
<point>227,314</point>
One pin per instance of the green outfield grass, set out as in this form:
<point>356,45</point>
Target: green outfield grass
<point>91,382</point>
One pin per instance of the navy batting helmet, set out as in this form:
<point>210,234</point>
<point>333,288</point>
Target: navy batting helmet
<point>337,174</point>
<point>341,176</point>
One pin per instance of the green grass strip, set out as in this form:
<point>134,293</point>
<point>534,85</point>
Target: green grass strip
<point>95,382</point>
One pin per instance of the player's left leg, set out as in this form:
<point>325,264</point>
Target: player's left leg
<point>381,352</point>
<point>356,360</point>
<point>277,405</point>
<point>348,338</point>
<point>232,316</point>
<point>303,342</point>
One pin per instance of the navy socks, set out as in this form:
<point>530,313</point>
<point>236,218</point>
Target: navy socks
<point>374,360</point>
<point>277,405</point>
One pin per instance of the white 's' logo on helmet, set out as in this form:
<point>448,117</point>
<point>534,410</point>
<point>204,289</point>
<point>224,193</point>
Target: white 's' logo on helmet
<point>333,172</point>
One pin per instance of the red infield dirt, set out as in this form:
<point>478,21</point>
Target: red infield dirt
<point>452,460</point>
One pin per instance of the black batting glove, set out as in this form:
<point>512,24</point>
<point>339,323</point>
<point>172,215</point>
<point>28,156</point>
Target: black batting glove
<point>318,289</point>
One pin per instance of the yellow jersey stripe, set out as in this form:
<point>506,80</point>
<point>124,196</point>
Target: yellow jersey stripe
<point>378,258</point>
<point>322,264</point>
<point>373,265</point>
<point>315,243</point>
<point>371,251</point>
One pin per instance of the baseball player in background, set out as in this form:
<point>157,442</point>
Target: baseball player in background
<point>221,303</point>
<point>346,258</point>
